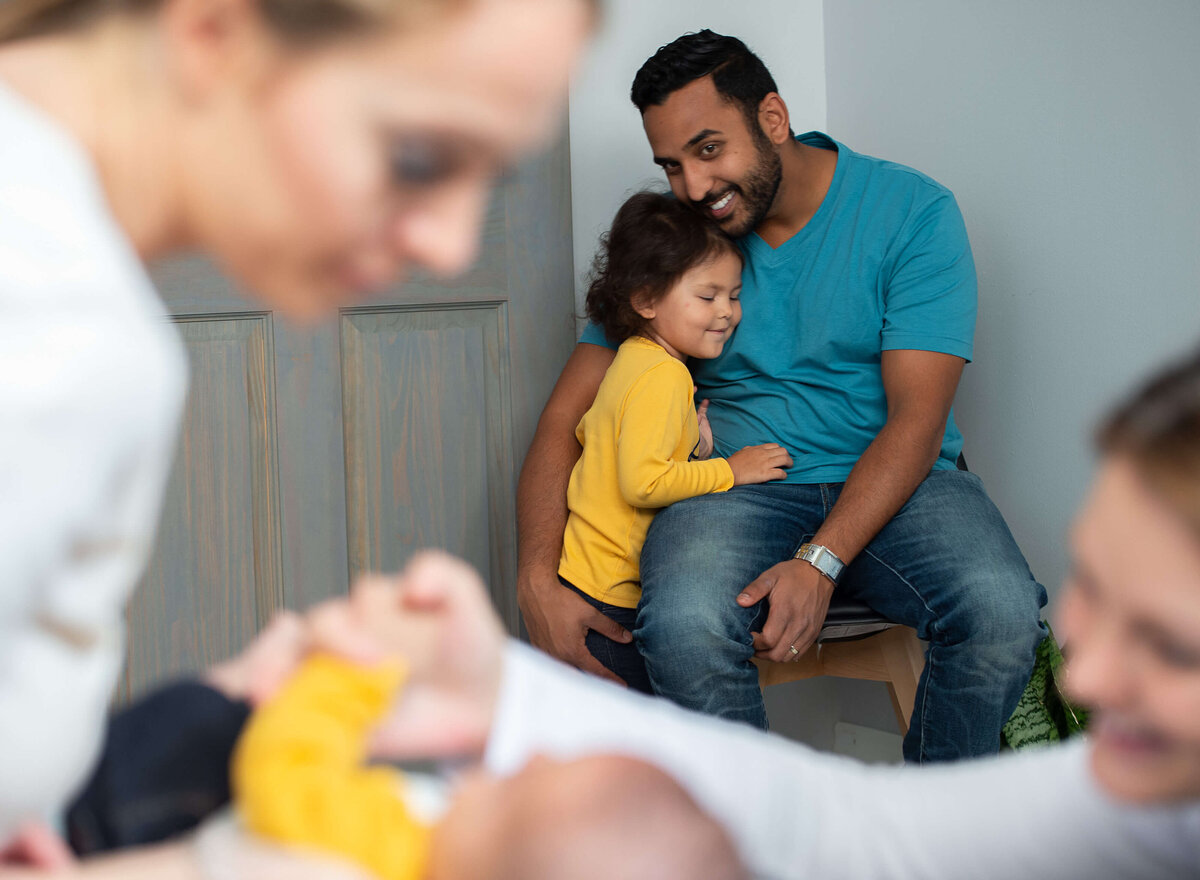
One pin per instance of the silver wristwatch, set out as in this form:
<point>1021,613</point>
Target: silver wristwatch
<point>822,559</point>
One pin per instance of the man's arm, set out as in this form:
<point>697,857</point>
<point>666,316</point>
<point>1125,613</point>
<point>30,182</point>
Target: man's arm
<point>920,389</point>
<point>558,619</point>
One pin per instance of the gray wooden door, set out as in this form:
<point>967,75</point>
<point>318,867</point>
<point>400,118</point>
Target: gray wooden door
<point>310,454</point>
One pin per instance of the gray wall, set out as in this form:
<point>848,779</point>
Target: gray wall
<point>1070,132</point>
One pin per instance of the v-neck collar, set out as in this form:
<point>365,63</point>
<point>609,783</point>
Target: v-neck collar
<point>755,244</point>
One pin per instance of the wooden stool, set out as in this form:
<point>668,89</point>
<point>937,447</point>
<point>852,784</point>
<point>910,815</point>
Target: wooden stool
<point>856,642</point>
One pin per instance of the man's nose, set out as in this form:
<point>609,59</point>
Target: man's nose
<point>697,182</point>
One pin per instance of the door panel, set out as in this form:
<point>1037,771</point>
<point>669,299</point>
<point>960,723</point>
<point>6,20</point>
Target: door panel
<point>309,454</point>
<point>426,413</point>
<point>220,534</point>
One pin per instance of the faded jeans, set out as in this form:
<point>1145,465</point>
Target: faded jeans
<point>945,565</point>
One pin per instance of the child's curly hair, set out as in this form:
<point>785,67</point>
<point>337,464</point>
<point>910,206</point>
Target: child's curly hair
<point>653,241</point>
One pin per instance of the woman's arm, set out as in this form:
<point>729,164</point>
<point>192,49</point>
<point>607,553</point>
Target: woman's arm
<point>798,814</point>
<point>219,851</point>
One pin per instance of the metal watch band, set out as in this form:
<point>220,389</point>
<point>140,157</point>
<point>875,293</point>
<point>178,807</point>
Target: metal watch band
<point>822,559</point>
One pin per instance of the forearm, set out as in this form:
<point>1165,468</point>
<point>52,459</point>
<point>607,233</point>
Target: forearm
<point>542,486</point>
<point>883,479</point>
<point>653,484</point>
<point>795,813</point>
<point>542,500</point>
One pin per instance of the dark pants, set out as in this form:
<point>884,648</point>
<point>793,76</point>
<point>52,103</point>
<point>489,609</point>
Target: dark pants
<point>620,658</point>
<point>163,768</point>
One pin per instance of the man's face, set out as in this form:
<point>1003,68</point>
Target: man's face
<point>713,160</point>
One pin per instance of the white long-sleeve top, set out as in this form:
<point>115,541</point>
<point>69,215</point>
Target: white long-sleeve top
<point>92,382</point>
<point>795,813</point>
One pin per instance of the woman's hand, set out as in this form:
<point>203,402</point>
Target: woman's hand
<point>456,659</point>
<point>37,847</point>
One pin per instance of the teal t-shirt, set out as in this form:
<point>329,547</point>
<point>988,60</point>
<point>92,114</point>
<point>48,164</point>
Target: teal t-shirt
<point>883,264</point>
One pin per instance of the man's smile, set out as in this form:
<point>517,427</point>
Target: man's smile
<point>722,207</point>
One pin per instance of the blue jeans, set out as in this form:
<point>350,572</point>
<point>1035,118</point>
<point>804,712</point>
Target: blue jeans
<point>945,565</point>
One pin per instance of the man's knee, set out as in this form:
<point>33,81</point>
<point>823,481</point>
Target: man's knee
<point>996,613</point>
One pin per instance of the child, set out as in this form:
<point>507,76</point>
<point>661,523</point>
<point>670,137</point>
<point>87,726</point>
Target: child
<point>298,778</point>
<point>666,282</point>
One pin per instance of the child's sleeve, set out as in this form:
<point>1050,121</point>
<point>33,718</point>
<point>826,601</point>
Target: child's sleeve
<point>654,423</point>
<point>299,773</point>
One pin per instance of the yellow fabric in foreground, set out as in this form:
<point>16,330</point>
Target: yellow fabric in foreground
<point>299,775</point>
<point>636,441</point>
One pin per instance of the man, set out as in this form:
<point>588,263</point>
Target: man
<point>859,309</point>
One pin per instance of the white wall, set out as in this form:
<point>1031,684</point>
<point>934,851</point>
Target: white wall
<point>1070,132</point>
<point>609,155</point>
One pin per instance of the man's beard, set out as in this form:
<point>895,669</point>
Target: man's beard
<point>756,191</point>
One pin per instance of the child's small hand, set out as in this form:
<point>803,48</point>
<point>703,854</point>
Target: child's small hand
<point>704,448</point>
<point>759,464</point>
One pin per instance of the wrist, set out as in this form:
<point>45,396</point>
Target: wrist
<point>822,559</point>
<point>533,577</point>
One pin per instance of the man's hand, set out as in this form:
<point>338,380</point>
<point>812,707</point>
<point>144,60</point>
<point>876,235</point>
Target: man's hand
<point>704,449</point>
<point>558,620</point>
<point>798,596</point>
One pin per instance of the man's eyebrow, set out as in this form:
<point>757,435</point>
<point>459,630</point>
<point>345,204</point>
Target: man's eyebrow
<point>699,136</point>
<point>707,132</point>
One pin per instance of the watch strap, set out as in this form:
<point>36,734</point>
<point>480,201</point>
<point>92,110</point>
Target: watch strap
<point>822,559</point>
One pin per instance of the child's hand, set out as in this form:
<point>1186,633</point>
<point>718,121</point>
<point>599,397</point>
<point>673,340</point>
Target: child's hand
<point>704,448</point>
<point>758,464</point>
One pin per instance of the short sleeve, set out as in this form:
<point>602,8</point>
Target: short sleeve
<point>593,334</point>
<point>930,288</point>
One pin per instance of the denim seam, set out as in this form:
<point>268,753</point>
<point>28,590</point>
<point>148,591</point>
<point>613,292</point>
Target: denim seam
<point>929,659</point>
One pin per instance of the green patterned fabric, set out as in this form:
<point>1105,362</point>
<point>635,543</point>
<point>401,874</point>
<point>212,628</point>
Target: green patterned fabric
<point>1043,714</point>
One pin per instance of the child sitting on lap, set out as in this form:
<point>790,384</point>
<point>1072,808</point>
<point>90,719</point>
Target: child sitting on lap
<point>666,282</point>
<point>300,777</point>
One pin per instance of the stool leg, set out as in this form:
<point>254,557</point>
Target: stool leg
<point>905,661</point>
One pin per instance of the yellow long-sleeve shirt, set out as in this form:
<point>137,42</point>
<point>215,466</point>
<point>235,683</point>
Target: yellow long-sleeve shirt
<point>299,774</point>
<point>636,441</point>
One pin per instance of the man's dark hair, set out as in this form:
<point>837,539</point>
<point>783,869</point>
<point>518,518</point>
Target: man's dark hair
<point>653,241</point>
<point>738,74</point>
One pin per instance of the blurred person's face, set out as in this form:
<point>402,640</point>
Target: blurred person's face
<point>315,176</point>
<point>1130,620</point>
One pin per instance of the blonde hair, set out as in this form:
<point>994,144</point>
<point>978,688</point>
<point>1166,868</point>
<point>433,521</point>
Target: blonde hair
<point>293,20</point>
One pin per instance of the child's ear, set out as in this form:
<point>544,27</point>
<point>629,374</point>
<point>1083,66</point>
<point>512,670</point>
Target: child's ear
<point>642,304</point>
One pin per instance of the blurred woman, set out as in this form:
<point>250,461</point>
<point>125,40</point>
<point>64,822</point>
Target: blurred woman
<point>313,148</point>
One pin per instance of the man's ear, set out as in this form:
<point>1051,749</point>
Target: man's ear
<point>211,43</point>
<point>773,118</point>
<point>642,304</point>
